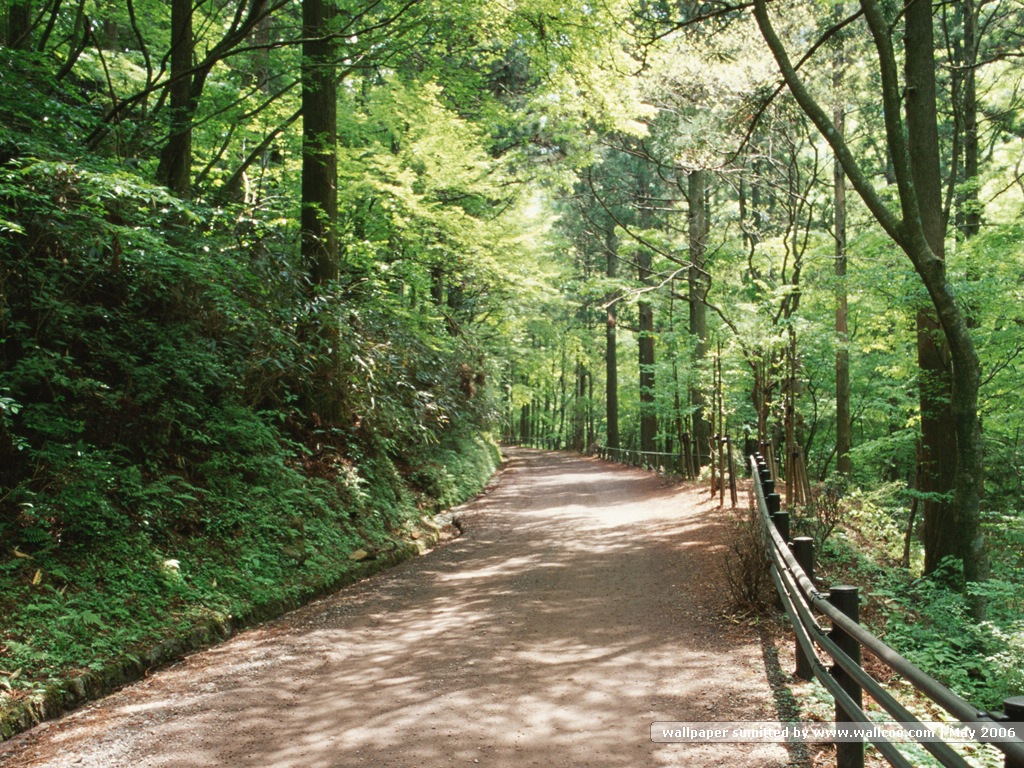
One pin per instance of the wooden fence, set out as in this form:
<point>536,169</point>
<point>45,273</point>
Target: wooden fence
<point>792,570</point>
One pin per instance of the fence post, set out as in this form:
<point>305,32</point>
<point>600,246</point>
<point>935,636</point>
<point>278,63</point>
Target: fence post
<point>774,502</point>
<point>847,600</point>
<point>1014,709</point>
<point>782,525</point>
<point>803,551</point>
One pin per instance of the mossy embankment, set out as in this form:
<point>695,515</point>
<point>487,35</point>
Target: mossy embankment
<point>78,628</point>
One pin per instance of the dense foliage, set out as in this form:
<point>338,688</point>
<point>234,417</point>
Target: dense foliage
<point>767,277</point>
<point>151,380</point>
<point>192,422</point>
<point>247,331</point>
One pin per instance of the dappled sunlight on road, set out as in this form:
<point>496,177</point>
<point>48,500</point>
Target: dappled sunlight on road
<point>567,619</point>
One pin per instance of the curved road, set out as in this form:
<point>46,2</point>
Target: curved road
<point>583,602</point>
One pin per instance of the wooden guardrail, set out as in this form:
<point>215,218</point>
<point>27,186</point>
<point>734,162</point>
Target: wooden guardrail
<point>792,571</point>
<point>723,474</point>
<point>656,460</point>
<point>543,443</point>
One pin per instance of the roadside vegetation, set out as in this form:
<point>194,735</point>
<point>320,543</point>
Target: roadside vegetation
<point>158,468</point>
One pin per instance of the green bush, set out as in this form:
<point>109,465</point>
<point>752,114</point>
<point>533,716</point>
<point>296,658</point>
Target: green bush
<point>928,622</point>
<point>158,465</point>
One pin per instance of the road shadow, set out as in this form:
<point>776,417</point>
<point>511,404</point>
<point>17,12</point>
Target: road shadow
<point>583,603</point>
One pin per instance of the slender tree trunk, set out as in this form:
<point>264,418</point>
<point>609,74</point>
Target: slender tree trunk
<point>760,394</point>
<point>591,436</point>
<point>790,466</point>
<point>698,286</point>
<point>611,356</point>
<point>970,205</point>
<point>261,67</point>
<point>562,397</point>
<point>611,364</point>
<point>964,54</point>
<point>611,367</point>
<point>844,421</point>
<point>648,415</point>
<point>674,436</point>
<point>844,427</point>
<point>580,412</point>
<point>175,168</point>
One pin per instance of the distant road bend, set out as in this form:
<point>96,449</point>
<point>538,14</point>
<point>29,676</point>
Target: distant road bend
<point>583,603</point>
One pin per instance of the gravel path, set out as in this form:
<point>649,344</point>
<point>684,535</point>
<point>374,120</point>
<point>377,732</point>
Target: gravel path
<point>583,602</point>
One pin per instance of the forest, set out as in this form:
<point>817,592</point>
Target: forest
<point>278,275</point>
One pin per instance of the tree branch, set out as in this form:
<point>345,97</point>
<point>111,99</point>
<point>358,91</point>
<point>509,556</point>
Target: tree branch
<point>893,226</point>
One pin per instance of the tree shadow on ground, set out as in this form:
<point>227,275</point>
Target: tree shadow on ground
<point>583,604</point>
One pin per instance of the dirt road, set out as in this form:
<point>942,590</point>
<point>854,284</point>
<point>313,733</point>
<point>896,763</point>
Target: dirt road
<point>583,602</point>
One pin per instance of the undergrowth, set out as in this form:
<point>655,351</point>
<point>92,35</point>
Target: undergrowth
<point>159,464</point>
<point>924,618</point>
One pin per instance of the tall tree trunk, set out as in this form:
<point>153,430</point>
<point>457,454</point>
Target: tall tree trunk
<point>648,415</point>
<point>790,467</point>
<point>188,79</point>
<point>319,137</point>
<point>938,444</point>
<point>674,435</point>
<point>110,29</point>
<point>844,421</point>
<point>559,417</point>
<point>175,168</point>
<point>611,355</point>
<point>844,426</point>
<point>970,207</point>
<point>698,286</point>
<point>319,214</point>
<point>262,36</point>
<point>972,548</point>
<point>19,24</point>
<point>591,437</point>
<point>580,411</point>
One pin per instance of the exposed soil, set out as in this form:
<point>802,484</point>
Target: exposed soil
<point>583,602</point>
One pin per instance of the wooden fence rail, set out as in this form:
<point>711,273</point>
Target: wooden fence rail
<point>792,570</point>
